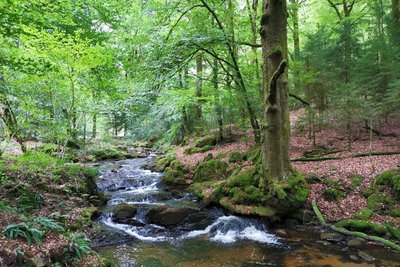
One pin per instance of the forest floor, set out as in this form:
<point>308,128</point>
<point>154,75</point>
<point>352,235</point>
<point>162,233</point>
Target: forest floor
<point>350,163</point>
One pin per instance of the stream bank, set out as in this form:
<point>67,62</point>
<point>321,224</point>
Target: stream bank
<point>221,239</point>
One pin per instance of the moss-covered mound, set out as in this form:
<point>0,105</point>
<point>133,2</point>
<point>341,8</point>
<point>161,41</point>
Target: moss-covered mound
<point>211,170</point>
<point>235,157</point>
<point>206,141</point>
<point>174,177</point>
<point>391,179</point>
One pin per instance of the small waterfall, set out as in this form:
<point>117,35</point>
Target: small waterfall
<point>127,182</point>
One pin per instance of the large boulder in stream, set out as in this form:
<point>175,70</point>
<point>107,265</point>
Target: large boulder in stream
<point>169,216</point>
<point>124,213</point>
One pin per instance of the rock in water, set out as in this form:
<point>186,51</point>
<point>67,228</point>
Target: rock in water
<point>123,213</point>
<point>169,216</point>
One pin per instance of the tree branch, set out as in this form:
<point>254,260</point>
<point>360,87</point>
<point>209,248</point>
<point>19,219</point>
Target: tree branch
<point>273,82</point>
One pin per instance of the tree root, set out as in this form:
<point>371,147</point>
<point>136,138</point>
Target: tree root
<point>352,233</point>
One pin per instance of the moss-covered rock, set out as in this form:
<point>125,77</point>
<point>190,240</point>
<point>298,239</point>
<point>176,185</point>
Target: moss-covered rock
<point>211,170</point>
<point>380,202</point>
<point>206,141</point>
<point>334,194</point>
<point>123,213</point>
<point>235,157</point>
<point>391,179</point>
<point>174,177</point>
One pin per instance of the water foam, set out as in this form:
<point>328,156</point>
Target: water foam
<point>221,231</point>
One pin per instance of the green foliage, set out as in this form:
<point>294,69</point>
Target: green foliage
<point>380,202</point>
<point>235,157</point>
<point>363,214</point>
<point>357,180</point>
<point>32,229</point>
<point>334,194</point>
<point>79,245</point>
<point>391,179</point>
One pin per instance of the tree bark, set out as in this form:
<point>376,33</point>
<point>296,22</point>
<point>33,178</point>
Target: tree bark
<point>276,124</point>
<point>199,87</point>
<point>94,126</point>
<point>218,108</point>
<point>296,41</point>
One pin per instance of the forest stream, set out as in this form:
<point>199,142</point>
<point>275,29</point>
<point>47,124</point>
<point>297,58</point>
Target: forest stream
<point>213,238</point>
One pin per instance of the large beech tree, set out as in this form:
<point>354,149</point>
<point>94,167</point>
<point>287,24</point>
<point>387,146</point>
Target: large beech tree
<point>276,122</point>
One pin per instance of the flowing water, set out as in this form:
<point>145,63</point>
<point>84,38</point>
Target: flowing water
<point>220,240</point>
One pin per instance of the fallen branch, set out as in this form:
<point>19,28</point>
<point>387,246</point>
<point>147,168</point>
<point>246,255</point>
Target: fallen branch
<point>382,153</point>
<point>352,233</point>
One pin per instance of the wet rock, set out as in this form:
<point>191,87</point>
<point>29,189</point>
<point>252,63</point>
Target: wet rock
<point>169,216</point>
<point>365,256</point>
<point>197,221</point>
<point>281,232</point>
<point>355,242</point>
<point>331,236</point>
<point>354,257</point>
<point>142,155</point>
<point>123,213</point>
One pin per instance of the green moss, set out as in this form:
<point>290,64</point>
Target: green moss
<point>334,194</point>
<point>363,214</point>
<point>357,180</point>
<point>211,170</point>
<point>245,178</point>
<point>391,179</point>
<point>235,157</point>
<point>313,179</point>
<point>189,151</point>
<point>220,155</point>
<point>363,226</point>
<point>198,188</point>
<point>380,202</point>
<point>253,154</point>
<point>206,141</point>
<point>174,177</point>
<point>395,213</point>
<point>395,232</point>
<point>263,211</point>
<point>205,149</point>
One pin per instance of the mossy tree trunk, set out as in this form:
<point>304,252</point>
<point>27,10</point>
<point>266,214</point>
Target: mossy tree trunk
<point>276,124</point>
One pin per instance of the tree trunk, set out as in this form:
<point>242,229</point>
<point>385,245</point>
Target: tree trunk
<point>276,124</point>
<point>199,87</point>
<point>218,108</point>
<point>94,126</point>
<point>296,41</point>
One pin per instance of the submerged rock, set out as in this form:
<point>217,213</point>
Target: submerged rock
<point>124,213</point>
<point>169,216</point>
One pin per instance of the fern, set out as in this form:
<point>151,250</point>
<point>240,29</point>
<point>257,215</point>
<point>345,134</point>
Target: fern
<point>79,245</point>
<point>49,224</point>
